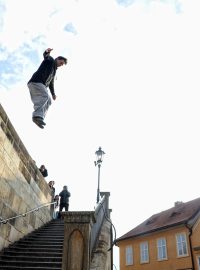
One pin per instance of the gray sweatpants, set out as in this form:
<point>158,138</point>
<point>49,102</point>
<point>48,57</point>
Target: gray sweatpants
<point>40,98</point>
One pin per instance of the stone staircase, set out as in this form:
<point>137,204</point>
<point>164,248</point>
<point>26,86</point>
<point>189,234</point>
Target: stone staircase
<point>41,249</point>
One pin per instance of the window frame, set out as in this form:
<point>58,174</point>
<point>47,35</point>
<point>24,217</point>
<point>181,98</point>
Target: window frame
<point>198,261</point>
<point>129,255</point>
<point>182,246</point>
<point>144,252</point>
<point>162,246</point>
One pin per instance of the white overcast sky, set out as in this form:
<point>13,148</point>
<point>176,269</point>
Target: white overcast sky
<point>131,86</point>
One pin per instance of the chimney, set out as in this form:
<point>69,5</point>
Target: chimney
<point>177,203</point>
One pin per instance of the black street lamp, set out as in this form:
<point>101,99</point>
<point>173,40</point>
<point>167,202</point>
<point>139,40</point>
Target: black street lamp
<point>99,158</point>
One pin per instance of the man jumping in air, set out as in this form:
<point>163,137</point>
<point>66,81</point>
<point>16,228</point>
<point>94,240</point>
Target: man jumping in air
<point>39,83</point>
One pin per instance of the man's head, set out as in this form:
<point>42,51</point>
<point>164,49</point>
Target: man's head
<point>65,187</point>
<point>60,61</point>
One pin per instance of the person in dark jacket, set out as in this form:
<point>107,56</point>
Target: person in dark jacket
<point>43,171</point>
<point>39,83</point>
<point>64,199</point>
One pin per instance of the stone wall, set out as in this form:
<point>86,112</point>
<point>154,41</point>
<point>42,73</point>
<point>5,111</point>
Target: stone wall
<point>22,187</point>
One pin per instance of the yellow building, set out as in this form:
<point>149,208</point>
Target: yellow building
<point>169,240</point>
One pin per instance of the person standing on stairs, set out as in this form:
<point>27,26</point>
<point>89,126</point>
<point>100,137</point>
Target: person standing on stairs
<point>64,200</point>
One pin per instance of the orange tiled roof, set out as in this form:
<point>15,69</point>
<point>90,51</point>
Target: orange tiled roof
<point>179,214</point>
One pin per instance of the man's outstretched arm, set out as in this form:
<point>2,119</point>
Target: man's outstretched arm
<point>47,52</point>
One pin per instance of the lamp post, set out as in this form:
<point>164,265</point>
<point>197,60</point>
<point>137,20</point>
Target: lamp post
<point>99,158</point>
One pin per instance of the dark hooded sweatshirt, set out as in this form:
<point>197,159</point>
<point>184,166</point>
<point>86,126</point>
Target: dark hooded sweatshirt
<point>46,72</point>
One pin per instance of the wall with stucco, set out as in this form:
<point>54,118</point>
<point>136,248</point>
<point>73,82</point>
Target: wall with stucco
<point>195,239</point>
<point>173,261</point>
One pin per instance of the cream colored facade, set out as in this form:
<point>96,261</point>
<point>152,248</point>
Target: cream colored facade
<point>196,244</point>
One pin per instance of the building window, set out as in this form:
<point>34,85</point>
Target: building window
<point>181,244</point>
<point>162,249</point>
<point>129,255</point>
<point>144,252</point>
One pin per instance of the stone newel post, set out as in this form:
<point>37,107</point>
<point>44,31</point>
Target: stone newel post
<point>76,248</point>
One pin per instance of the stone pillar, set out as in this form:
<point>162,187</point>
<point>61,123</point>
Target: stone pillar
<point>76,247</point>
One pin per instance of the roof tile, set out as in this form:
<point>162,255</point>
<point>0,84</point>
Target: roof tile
<point>179,214</point>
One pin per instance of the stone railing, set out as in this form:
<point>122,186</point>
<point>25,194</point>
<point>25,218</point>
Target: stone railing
<point>99,215</point>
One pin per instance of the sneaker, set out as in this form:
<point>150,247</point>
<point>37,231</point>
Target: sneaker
<point>39,122</point>
<point>39,119</point>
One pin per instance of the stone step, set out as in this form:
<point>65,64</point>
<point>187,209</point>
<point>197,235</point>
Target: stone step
<point>52,226</point>
<point>28,268</point>
<point>31,258</point>
<point>47,233</point>
<point>42,238</point>
<point>36,248</point>
<point>52,229</point>
<point>53,234</point>
<point>41,249</point>
<point>34,253</point>
<point>45,236</point>
<point>40,242</point>
<point>29,264</point>
<point>55,221</point>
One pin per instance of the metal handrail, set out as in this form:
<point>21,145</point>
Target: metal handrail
<point>4,221</point>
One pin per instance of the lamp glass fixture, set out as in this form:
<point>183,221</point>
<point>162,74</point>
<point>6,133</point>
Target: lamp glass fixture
<point>99,155</point>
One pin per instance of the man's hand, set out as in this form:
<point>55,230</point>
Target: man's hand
<point>48,50</point>
<point>54,97</point>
